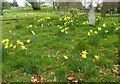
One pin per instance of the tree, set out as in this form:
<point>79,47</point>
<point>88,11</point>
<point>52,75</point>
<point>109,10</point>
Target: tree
<point>15,3</point>
<point>91,14</point>
<point>4,5</point>
<point>35,4</point>
<point>118,9</point>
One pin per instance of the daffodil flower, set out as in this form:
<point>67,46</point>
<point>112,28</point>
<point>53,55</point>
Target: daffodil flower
<point>33,32</point>
<point>95,32</point>
<point>42,25</point>
<point>28,41</point>
<point>84,23</point>
<point>66,57</point>
<point>99,28</point>
<point>104,25</point>
<point>84,52</point>
<point>91,31</point>
<point>14,46</point>
<point>10,31</point>
<point>11,45</point>
<point>66,28</point>
<point>23,47</point>
<point>116,29</point>
<point>6,46</point>
<point>3,41</point>
<point>19,42</point>
<point>30,25</point>
<point>66,32</point>
<point>60,27</point>
<point>7,40</point>
<point>62,30</point>
<point>60,18</point>
<point>88,34</point>
<point>106,31</point>
<point>97,57</point>
<point>84,56</point>
<point>90,22</point>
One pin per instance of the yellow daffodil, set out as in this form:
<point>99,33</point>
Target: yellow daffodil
<point>116,29</point>
<point>60,18</point>
<point>62,30</point>
<point>11,45</point>
<point>19,42</point>
<point>84,56</point>
<point>99,28</point>
<point>42,25</point>
<point>104,25</point>
<point>66,32</point>
<point>84,23</point>
<point>84,52</point>
<point>66,57</point>
<point>106,31</point>
<point>65,23</point>
<point>88,34</point>
<point>90,22</point>
<point>91,31</point>
<point>114,23</point>
<point>6,46</point>
<point>95,32</point>
<point>71,21</point>
<point>10,31</point>
<point>66,28</point>
<point>30,25</point>
<point>33,32</point>
<point>65,18</point>
<point>97,57</point>
<point>28,41</point>
<point>23,47</point>
<point>60,27</point>
<point>14,46</point>
<point>7,40</point>
<point>27,27</point>
<point>3,41</point>
<point>47,17</point>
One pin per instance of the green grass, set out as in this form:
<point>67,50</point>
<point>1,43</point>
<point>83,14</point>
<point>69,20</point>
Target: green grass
<point>45,53</point>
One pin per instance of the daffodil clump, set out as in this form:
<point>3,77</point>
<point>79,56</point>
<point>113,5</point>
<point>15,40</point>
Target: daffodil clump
<point>63,30</point>
<point>41,21</point>
<point>7,44</point>
<point>85,23</point>
<point>99,18</point>
<point>91,32</point>
<point>21,44</point>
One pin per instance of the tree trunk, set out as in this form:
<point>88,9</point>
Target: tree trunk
<point>118,7</point>
<point>91,16</point>
<point>103,11</point>
<point>35,4</point>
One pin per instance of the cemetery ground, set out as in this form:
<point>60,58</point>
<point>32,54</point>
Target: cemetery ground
<point>59,47</point>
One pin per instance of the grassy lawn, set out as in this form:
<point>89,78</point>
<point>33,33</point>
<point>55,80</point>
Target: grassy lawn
<point>52,45</point>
